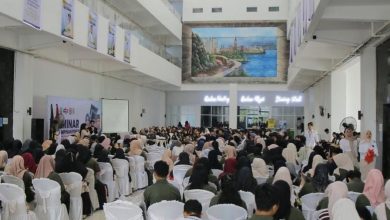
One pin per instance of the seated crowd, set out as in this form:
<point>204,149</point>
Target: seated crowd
<point>280,171</point>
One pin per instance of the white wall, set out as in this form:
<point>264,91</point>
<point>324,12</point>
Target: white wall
<point>53,79</point>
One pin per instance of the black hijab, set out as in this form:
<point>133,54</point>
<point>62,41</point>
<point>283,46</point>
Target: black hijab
<point>213,158</point>
<point>120,154</point>
<point>103,157</point>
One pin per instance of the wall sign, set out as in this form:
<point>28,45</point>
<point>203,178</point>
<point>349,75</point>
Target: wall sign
<point>218,98</point>
<point>32,13</point>
<point>288,100</point>
<point>251,99</point>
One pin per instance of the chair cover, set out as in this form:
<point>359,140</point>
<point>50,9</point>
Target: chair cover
<point>152,158</point>
<point>166,210</point>
<point>13,180</point>
<point>141,175</point>
<point>186,182</point>
<point>203,196</point>
<point>48,198</point>
<point>310,203</point>
<point>107,177</point>
<point>261,180</point>
<point>122,210</point>
<point>13,201</point>
<point>353,196</point>
<point>133,174</point>
<point>179,171</point>
<point>250,202</point>
<point>121,168</point>
<point>90,178</point>
<point>73,185</point>
<point>226,212</point>
<point>216,172</point>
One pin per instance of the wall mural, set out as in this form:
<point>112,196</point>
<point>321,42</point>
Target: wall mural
<point>236,54</point>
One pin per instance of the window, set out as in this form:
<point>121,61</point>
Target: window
<point>214,116</point>
<point>197,10</point>
<point>251,9</point>
<point>216,10</point>
<point>273,9</point>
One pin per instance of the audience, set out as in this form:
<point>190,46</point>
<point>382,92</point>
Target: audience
<point>192,210</point>
<point>229,193</point>
<point>266,202</point>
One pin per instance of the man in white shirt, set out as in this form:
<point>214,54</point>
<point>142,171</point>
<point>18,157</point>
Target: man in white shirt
<point>349,145</point>
<point>311,136</point>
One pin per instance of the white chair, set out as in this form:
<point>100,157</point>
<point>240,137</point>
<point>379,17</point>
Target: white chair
<point>121,168</point>
<point>186,182</point>
<point>203,196</point>
<point>216,172</point>
<point>73,185</point>
<point>316,214</point>
<point>141,175</point>
<point>261,180</point>
<point>152,158</point>
<point>122,210</point>
<point>353,196</point>
<point>13,201</point>
<point>226,212</point>
<point>179,172</point>
<point>250,202</point>
<point>90,178</point>
<point>370,209</point>
<point>107,177</point>
<point>310,203</point>
<point>48,199</point>
<point>13,180</point>
<point>166,210</point>
<point>133,173</point>
<point>271,170</point>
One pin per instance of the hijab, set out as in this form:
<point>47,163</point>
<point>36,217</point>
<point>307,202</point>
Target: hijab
<point>98,150</point>
<point>344,209</point>
<point>17,167</point>
<point>343,161</point>
<point>213,158</point>
<point>380,210</point>
<point>59,147</point>
<point>230,152</point>
<point>135,148</point>
<point>259,168</point>
<point>3,159</point>
<point>103,157</point>
<point>84,154</point>
<point>167,155</point>
<point>317,159</point>
<point>289,155</point>
<point>283,174</point>
<point>373,188</point>
<point>46,144</point>
<point>335,192</point>
<point>189,149</point>
<point>245,180</point>
<point>45,167</point>
<point>120,154</point>
<point>15,149</point>
<point>230,167</point>
<point>29,162</point>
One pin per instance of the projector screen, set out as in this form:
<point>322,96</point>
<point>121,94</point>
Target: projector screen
<point>115,115</point>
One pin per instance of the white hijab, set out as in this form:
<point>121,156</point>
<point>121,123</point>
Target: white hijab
<point>344,209</point>
<point>380,210</point>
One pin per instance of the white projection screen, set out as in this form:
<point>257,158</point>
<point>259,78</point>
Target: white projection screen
<point>115,115</point>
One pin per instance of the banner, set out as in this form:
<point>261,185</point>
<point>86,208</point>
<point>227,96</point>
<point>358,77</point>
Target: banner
<point>111,39</point>
<point>32,13</point>
<point>67,18</point>
<point>127,46</point>
<point>65,115</point>
<point>92,30</point>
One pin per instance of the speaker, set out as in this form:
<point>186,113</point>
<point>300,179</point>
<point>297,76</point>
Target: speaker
<point>37,129</point>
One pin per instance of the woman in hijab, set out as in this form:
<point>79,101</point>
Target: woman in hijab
<point>230,152</point>
<point>290,155</point>
<point>318,183</point>
<point>368,151</point>
<point>167,157</point>
<point>29,162</point>
<point>334,192</point>
<point>103,157</point>
<point>344,209</point>
<point>15,149</point>
<point>229,168</point>
<point>17,169</point>
<point>46,170</point>
<point>184,159</point>
<point>316,160</point>
<point>382,211</point>
<point>214,162</point>
<point>344,164</point>
<point>84,156</point>
<point>189,149</point>
<point>135,148</point>
<point>229,193</point>
<point>285,210</point>
<point>3,159</point>
<point>244,180</point>
<point>120,154</point>
<point>373,193</point>
<point>283,174</point>
<point>98,150</point>
<point>259,168</point>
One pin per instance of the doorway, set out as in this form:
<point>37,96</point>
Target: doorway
<point>6,93</point>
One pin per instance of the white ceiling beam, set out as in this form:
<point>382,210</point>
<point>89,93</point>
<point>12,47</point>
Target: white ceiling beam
<point>353,12</point>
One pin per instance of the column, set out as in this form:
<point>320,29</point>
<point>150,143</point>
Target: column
<point>233,106</point>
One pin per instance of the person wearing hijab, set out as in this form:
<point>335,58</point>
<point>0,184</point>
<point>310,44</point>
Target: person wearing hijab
<point>317,159</point>
<point>59,147</point>
<point>230,152</point>
<point>344,209</point>
<point>259,168</point>
<point>214,162</point>
<point>135,148</point>
<point>290,155</point>
<point>229,168</point>
<point>286,211</point>
<point>382,211</point>
<point>98,150</point>
<point>317,183</point>
<point>368,152</point>
<point>184,159</point>
<point>15,149</point>
<point>17,169</point>
<point>199,179</point>
<point>229,193</point>
<point>45,169</point>
<point>244,179</point>
<point>373,193</point>
<point>344,164</point>
<point>3,159</point>
<point>333,193</point>
<point>84,156</point>
<point>283,174</point>
<point>120,154</point>
<point>46,144</point>
<point>189,149</point>
<point>26,145</point>
<point>29,162</point>
<point>167,157</point>
<point>103,157</point>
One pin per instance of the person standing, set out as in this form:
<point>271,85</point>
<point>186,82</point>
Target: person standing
<point>368,152</point>
<point>349,145</point>
<point>311,136</point>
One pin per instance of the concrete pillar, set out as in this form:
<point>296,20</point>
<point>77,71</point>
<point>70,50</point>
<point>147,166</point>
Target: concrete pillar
<point>282,51</point>
<point>233,106</point>
<point>187,52</point>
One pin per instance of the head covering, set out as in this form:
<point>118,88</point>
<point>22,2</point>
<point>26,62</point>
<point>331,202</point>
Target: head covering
<point>119,154</point>
<point>46,144</point>
<point>283,174</point>
<point>320,179</point>
<point>71,139</point>
<point>344,209</point>
<point>135,148</point>
<point>45,167</point>
<point>289,155</point>
<point>106,143</point>
<point>98,150</point>
<point>284,195</point>
<point>26,145</point>
<point>230,166</point>
<point>259,168</point>
<point>167,157</point>
<point>189,149</point>
<point>317,159</point>
<point>335,191</point>
<point>213,158</point>
<point>272,146</point>
<point>103,157</point>
<point>230,151</point>
<point>184,159</point>
<point>221,144</point>
<point>373,188</point>
<point>29,162</point>
<point>3,158</point>
<point>16,167</point>
<point>84,154</point>
<point>245,180</point>
<point>84,142</point>
<point>343,161</point>
<point>59,147</point>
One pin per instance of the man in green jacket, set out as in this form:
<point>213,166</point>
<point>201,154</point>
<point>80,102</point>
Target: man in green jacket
<point>266,201</point>
<point>355,184</point>
<point>161,190</point>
